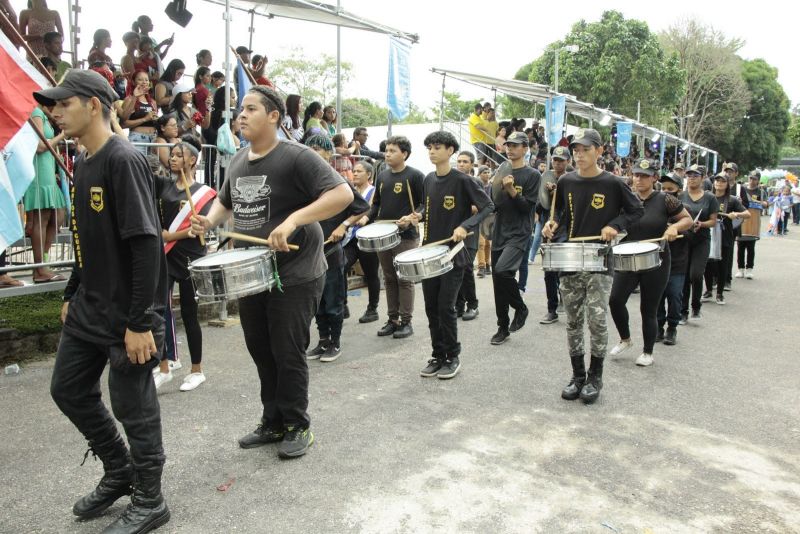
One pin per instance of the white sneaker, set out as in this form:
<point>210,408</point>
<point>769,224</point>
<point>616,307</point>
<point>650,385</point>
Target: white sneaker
<point>173,366</point>
<point>644,359</point>
<point>739,273</point>
<point>162,378</point>
<point>621,347</point>
<point>748,274</point>
<point>192,381</point>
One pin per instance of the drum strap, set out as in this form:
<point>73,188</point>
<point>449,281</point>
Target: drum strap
<point>181,222</point>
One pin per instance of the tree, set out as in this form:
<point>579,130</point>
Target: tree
<point>455,109</point>
<point>362,112</point>
<point>793,133</point>
<point>312,79</point>
<point>415,116</point>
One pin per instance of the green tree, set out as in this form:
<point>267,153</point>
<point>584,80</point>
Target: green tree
<point>415,116</point>
<point>793,134</point>
<point>455,109</point>
<point>362,112</point>
<point>312,79</point>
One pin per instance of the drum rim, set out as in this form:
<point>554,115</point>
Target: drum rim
<point>436,251</point>
<point>256,253</point>
<point>365,231</point>
<point>648,248</point>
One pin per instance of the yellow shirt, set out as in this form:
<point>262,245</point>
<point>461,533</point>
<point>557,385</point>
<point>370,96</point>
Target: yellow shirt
<point>475,135</point>
<point>492,126</point>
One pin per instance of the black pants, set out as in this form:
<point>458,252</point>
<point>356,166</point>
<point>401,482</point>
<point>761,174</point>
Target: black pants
<point>693,284</point>
<point>369,264</point>
<point>330,313</point>
<point>466,294</point>
<point>75,388</point>
<point>652,284</point>
<point>506,291</point>
<point>783,222</point>
<point>717,270</point>
<point>194,334</point>
<point>746,249</point>
<point>275,326</point>
<point>440,295</point>
<point>551,285</point>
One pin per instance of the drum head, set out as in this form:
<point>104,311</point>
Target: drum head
<point>635,248</point>
<point>422,253</point>
<point>229,256</point>
<point>376,230</point>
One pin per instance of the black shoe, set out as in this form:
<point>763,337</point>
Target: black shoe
<point>147,510</point>
<point>332,353</point>
<point>500,337</point>
<point>549,318</point>
<point>721,300</point>
<point>434,364</point>
<point>594,381</point>
<point>470,314</point>
<point>488,270</point>
<point>684,318</point>
<point>403,331</point>
<point>519,319</point>
<point>261,436</point>
<point>481,272</point>
<point>660,334</point>
<point>450,368</point>
<point>296,442</point>
<point>573,389</point>
<point>370,316</point>
<point>706,297</point>
<point>728,286</point>
<point>346,312</point>
<point>696,315</point>
<point>319,350</point>
<point>388,329</point>
<point>116,482</point>
<point>671,336</point>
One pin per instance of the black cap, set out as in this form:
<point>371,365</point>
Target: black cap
<point>644,166</point>
<point>586,137</point>
<point>243,50</point>
<point>678,167</point>
<point>561,152</point>
<point>517,138</point>
<point>674,178</point>
<point>720,176</point>
<point>732,166</point>
<point>76,82</point>
<point>696,169</point>
<point>755,174</point>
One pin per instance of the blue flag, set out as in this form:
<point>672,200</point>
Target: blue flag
<point>555,114</point>
<point>242,82</point>
<point>624,132</point>
<point>398,93</point>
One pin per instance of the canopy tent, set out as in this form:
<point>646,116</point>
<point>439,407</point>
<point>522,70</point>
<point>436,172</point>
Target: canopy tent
<point>539,93</point>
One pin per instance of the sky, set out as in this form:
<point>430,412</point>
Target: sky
<point>468,35</point>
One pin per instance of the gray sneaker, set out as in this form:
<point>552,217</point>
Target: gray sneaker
<point>332,353</point>
<point>295,442</point>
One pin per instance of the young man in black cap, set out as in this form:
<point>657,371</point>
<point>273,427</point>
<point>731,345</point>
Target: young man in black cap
<point>755,200</point>
<point>669,310</point>
<point>279,190</point>
<point>467,301</point>
<point>112,306</point>
<point>589,202</point>
<point>514,197</point>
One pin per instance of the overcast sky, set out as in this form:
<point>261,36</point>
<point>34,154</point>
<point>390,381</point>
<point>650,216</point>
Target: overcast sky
<point>468,36</point>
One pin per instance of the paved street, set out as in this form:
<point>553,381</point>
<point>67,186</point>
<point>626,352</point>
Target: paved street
<point>706,440</point>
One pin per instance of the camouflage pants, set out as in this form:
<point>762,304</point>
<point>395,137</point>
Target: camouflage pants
<point>586,293</point>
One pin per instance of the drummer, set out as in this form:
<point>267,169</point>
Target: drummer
<point>755,199</point>
<point>703,208</point>
<point>448,199</point>
<point>279,189</point>
<point>390,202</point>
<point>664,216</point>
<point>669,311</point>
<point>589,202</point>
<point>514,197</point>
<point>730,209</point>
<point>467,301</point>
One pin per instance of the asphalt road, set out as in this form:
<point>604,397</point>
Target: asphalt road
<point>705,440</point>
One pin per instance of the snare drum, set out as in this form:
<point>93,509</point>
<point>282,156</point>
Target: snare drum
<point>423,263</point>
<point>231,274</point>
<point>636,257</point>
<point>378,237</point>
<point>715,243</point>
<point>574,257</point>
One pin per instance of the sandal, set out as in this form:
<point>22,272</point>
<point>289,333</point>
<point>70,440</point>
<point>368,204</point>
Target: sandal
<point>53,278</point>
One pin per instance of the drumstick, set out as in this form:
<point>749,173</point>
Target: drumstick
<point>443,241</point>
<point>553,204</point>
<point>657,239</point>
<point>410,197</point>
<point>586,238</point>
<point>250,239</point>
<point>191,204</point>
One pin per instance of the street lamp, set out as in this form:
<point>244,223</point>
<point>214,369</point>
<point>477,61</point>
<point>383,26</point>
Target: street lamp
<point>681,122</point>
<point>567,48</point>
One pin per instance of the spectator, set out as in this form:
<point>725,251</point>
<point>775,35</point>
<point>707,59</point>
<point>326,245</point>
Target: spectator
<point>167,131</point>
<point>204,58</point>
<point>128,61</point>
<point>164,88</point>
<point>477,133</point>
<point>54,47</point>
<point>139,113</point>
<point>202,96</point>
<point>143,26</point>
<point>311,120</point>
<point>360,135</point>
<point>49,66</point>
<point>342,160</point>
<point>6,280</point>
<point>188,117</point>
<point>490,122</point>
<point>217,79</point>
<point>244,54</point>
<point>97,54</point>
<point>210,133</point>
<point>148,61</point>
<point>292,119</point>
<point>500,144</point>
<point>7,10</point>
<point>329,119</point>
<point>35,22</point>
<point>258,70</point>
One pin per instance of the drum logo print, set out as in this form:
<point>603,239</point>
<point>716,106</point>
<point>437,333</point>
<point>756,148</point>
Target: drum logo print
<point>250,188</point>
<point>449,202</point>
<point>398,187</point>
<point>96,198</point>
<point>598,201</point>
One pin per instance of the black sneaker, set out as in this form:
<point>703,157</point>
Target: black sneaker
<point>481,272</point>
<point>296,442</point>
<point>319,350</point>
<point>728,287</point>
<point>388,329</point>
<point>262,435</point>
<point>549,318</point>
<point>403,331</point>
<point>696,315</point>
<point>519,319</point>
<point>346,312</point>
<point>434,364</point>
<point>500,337</point>
<point>684,318</point>
<point>460,312</point>
<point>470,314</point>
<point>660,334</point>
<point>671,336</point>
<point>332,353</point>
<point>706,297</point>
<point>721,300</point>
<point>450,368</point>
<point>369,316</point>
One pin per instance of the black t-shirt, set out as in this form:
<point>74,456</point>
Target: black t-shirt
<point>171,201</point>
<point>448,205</point>
<point>707,203</point>
<point>728,205</point>
<point>659,208</point>
<point>513,222</point>
<point>752,198</point>
<point>679,251</point>
<point>390,201</point>
<point>584,206</point>
<point>113,200</point>
<point>471,242</point>
<point>333,251</point>
<point>263,192</point>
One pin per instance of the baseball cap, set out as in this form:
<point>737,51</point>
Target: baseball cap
<point>644,166</point>
<point>586,137</point>
<point>755,174</point>
<point>182,87</point>
<point>732,166</point>
<point>243,50</point>
<point>561,152</point>
<point>696,169</point>
<point>678,167</point>
<point>674,178</point>
<point>76,82</point>
<point>720,176</point>
<point>517,138</point>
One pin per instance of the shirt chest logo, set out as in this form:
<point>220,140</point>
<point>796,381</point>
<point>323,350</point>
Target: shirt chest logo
<point>518,188</point>
<point>96,199</point>
<point>598,201</point>
<point>449,202</point>
<point>250,188</point>
<point>398,188</point>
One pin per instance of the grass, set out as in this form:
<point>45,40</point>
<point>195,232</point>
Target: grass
<point>32,314</point>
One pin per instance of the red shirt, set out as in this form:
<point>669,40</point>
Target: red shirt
<point>200,96</point>
<point>263,80</point>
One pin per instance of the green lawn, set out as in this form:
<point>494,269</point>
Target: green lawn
<point>32,314</point>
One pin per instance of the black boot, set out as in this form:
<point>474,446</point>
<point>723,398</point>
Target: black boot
<point>573,389</point>
<point>147,510</point>
<point>116,481</point>
<point>594,381</point>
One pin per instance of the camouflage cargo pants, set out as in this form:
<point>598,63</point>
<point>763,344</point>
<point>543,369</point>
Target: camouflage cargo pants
<point>586,293</point>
